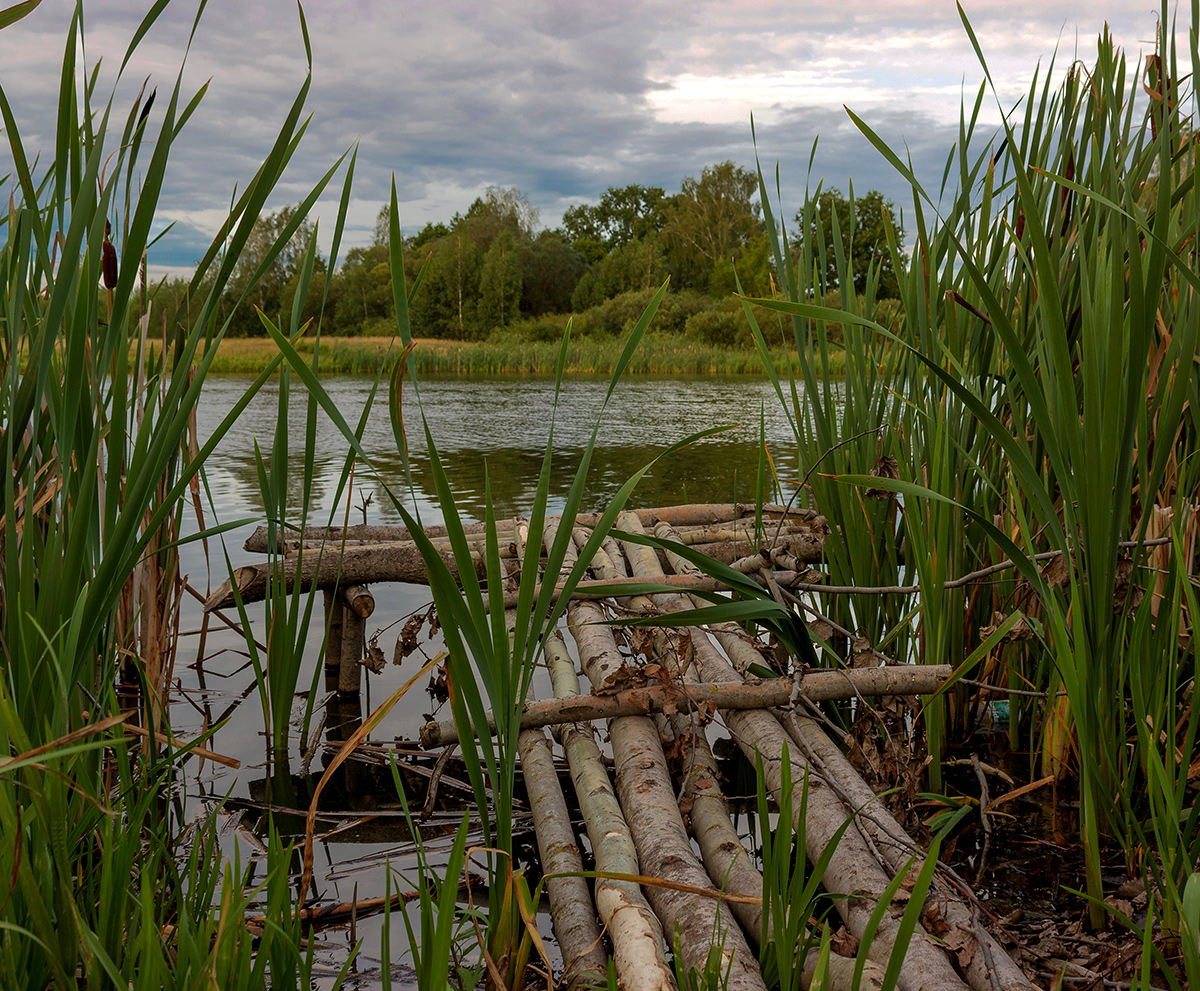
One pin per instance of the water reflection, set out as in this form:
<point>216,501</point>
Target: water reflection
<point>500,427</point>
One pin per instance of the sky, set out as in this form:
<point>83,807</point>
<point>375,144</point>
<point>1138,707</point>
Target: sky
<point>558,99</point>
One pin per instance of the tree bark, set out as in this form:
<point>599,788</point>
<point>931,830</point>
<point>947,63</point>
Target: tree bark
<point>331,564</point>
<point>816,685</point>
<point>945,905</point>
<point>633,927</point>
<point>691,515</point>
<point>852,868</point>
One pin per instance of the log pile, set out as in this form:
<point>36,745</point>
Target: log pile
<point>692,681</point>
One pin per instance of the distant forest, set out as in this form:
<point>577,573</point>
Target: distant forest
<point>491,272</point>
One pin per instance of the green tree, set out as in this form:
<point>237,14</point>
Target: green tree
<point>752,269</point>
<point>550,270</point>
<point>269,294</point>
<point>624,214</point>
<point>362,290</point>
<point>636,264</point>
<point>500,282</point>
<point>446,304</point>
<point>500,209</point>
<point>863,223</point>
<point>713,217</point>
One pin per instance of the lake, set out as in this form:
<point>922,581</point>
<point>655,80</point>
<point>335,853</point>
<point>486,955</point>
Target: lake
<point>493,428</point>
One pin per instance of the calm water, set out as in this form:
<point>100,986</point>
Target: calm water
<point>495,429</point>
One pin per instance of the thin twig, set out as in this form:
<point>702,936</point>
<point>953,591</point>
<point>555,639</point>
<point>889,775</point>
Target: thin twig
<point>808,474</point>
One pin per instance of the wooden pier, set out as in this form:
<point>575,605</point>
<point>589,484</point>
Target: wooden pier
<point>642,812</point>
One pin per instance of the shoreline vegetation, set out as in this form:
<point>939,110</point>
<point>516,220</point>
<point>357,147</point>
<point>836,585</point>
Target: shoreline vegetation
<point>1005,477</point>
<point>659,355</point>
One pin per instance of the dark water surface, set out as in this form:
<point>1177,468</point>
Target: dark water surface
<point>495,429</point>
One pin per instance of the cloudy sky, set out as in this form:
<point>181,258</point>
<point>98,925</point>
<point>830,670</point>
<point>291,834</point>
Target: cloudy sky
<point>559,98</point>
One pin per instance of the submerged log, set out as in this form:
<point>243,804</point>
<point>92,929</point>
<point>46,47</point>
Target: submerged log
<point>819,686</point>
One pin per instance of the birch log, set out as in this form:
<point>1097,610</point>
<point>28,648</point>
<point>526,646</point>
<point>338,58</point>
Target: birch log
<point>664,850</point>
<point>710,514</point>
<point>852,868</point>
<point>899,679</point>
<point>989,965</point>
<point>572,912</point>
<point>633,927</point>
<point>366,564</point>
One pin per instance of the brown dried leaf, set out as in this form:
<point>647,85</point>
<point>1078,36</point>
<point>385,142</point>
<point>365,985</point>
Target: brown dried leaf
<point>626,676</point>
<point>374,661</point>
<point>844,943</point>
<point>408,641</point>
<point>1122,905</point>
<point>885,467</point>
<point>962,944</point>
<point>1055,572</point>
<point>863,653</point>
<point>1021,629</point>
<point>819,628</point>
<point>656,672</point>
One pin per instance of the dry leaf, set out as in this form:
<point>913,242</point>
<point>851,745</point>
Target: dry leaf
<point>1021,629</point>
<point>374,661</point>
<point>885,467</point>
<point>962,944</point>
<point>1055,572</point>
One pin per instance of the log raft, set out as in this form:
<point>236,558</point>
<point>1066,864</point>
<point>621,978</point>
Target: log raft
<point>653,884</point>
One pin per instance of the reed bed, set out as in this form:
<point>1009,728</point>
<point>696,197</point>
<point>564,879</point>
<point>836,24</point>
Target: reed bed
<point>1040,409</point>
<point>107,886</point>
<point>660,354</point>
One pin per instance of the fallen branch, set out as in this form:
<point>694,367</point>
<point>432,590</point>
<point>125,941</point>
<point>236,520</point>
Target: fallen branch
<point>330,565</point>
<point>819,686</point>
<point>690,515</point>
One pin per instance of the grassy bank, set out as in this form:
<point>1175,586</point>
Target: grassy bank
<point>659,355</point>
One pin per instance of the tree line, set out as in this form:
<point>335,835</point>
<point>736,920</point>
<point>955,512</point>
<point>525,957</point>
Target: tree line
<point>491,269</point>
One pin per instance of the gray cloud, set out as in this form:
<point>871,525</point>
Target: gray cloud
<point>558,98</point>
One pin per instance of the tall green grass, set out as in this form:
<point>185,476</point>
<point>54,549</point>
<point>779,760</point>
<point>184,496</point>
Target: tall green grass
<point>95,435</point>
<point>1043,399</point>
<point>659,354</point>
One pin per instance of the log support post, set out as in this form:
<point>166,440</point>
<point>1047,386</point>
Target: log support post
<point>353,648</point>
<point>333,623</point>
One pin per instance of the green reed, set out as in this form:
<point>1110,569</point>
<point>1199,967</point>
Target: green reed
<point>95,430</point>
<point>1046,367</point>
<point>659,354</point>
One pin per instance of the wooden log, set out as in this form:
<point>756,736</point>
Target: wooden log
<point>355,566</point>
<point>360,599</point>
<point>945,902</point>
<point>367,564</point>
<point>989,961</point>
<point>637,936</point>
<point>572,911</point>
<point>690,515</point>
<point>725,859</point>
<point>353,649</point>
<point>596,588</point>
<point>820,686</point>
<point>334,608</point>
<point>852,867</point>
<point>664,850</point>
